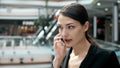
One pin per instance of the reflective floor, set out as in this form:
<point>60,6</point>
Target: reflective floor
<point>27,66</point>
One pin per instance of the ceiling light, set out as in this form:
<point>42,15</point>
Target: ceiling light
<point>106,9</point>
<point>98,4</point>
<point>118,1</point>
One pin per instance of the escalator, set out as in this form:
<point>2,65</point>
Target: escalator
<point>40,34</point>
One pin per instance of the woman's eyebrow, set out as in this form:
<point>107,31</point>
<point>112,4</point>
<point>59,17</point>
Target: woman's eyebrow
<point>69,24</point>
<point>58,25</point>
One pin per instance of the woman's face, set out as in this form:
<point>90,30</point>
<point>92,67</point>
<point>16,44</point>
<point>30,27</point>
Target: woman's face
<point>71,30</point>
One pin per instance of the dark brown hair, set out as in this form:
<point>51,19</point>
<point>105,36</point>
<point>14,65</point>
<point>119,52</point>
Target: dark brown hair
<point>79,13</point>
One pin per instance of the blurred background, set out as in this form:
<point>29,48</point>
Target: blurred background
<point>27,28</point>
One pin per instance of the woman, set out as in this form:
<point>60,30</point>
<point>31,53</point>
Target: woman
<point>73,26</point>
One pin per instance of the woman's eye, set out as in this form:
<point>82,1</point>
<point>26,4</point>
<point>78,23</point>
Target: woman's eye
<point>70,27</point>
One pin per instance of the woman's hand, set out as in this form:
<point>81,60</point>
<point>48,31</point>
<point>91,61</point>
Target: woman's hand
<point>60,51</point>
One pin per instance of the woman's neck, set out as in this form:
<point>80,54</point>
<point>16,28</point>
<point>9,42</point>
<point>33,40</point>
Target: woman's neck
<point>81,49</point>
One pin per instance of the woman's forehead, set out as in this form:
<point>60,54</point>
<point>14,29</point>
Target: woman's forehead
<point>66,20</point>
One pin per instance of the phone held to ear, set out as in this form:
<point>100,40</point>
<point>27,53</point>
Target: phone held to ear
<point>62,40</point>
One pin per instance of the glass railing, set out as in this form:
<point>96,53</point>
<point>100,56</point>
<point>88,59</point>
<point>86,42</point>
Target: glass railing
<point>12,41</point>
<point>21,50</point>
<point>108,45</point>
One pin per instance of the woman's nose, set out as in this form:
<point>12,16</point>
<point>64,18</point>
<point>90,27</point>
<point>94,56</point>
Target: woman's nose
<point>64,33</point>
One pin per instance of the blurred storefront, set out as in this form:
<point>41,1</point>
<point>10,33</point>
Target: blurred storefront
<point>17,27</point>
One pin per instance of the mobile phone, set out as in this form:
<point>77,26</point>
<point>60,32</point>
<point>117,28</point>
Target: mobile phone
<point>62,40</point>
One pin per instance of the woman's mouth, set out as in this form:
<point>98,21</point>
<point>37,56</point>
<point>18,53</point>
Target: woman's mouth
<point>68,40</point>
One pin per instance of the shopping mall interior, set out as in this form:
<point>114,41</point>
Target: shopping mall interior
<point>27,29</point>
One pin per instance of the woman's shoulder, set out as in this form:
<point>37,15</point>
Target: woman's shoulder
<point>103,54</point>
<point>104,57</point>
<point>100,51</point>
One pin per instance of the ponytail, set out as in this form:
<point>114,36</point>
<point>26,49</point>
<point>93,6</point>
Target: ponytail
<point>90,39</point>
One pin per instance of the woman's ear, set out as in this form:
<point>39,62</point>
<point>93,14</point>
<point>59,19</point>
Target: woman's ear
<point>86,26</point>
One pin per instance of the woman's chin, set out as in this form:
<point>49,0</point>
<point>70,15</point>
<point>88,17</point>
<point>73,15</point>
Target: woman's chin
<point>68,45</point>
